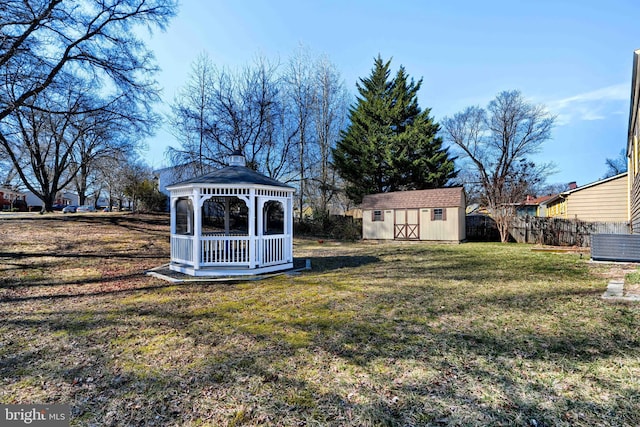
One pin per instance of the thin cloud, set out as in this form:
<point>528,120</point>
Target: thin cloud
<point>589,106</point>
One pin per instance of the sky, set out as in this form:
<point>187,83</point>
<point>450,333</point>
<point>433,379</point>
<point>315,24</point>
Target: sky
<point>573,57</point>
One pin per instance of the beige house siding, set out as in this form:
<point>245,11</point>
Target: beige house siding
<point>606,201</point>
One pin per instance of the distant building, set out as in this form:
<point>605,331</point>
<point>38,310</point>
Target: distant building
<point>172,174</point>
<point>9,197</point>
<point>604,200</point>
<point>64,198</point>
<point>532,206</point>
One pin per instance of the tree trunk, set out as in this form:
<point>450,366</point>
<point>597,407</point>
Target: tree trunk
<point>47,202</point>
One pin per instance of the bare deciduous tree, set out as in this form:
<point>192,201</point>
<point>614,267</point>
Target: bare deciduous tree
<point>219,111</point>
<point>498,142</point>
<point>329,115</point>
<point>285,122</point>
<point>617,165</point>
<point>192,116</point>
<point>46,46</point>
<point>104,136</point>
<point>48,140</point>
<point>302,97</point>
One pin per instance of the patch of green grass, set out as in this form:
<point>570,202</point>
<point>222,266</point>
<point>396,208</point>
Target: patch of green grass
<point>389,334</point>
<point>633,278</point>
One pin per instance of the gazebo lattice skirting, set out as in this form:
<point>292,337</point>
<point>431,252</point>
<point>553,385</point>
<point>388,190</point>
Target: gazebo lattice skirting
<point>233,221</point>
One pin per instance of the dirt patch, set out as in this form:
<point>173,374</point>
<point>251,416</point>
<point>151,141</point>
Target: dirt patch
<point>617,271</point>
<point>632,289</point>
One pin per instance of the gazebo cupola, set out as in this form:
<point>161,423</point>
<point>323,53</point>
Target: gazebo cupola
<point>233,221</point>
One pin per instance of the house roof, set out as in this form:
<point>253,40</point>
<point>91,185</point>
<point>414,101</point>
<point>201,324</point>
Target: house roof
<point>536,201</point>
<point>437,197</point>
<point>11,191</point>
<point>232,175</point>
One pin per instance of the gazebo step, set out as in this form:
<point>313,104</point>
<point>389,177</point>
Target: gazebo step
<point>227,271</point>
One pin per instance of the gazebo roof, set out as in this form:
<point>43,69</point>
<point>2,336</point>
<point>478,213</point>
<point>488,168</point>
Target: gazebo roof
<point>232,175</point>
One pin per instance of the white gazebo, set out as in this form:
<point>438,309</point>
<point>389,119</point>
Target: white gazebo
<point>233,221</point>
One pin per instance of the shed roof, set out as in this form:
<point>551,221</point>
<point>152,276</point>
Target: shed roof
<point>232,175</point>
<point>437,197</point>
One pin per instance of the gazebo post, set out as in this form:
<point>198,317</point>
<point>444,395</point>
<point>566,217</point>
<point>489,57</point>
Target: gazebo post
<point>197,227</point>
<point>260,233</point>
<point>226,217</point>
<point>251,215</point>
<point>288,228</point>
<point>172,209</point>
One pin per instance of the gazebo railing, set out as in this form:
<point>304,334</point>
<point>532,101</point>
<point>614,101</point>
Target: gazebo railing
<point>182,249</point>
<point>273,249</point>
<point>218,251</point>
<point>224,250</point>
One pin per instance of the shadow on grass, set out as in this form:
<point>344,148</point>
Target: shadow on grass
<point>434,338</point>
<point>107,282</point>
<point>497,262</point>
<point>101,255</point>
<point>322,264</point>
<point>114,383</point>
<point>222,371</point>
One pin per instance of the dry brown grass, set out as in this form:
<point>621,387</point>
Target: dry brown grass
<point>391,334</point>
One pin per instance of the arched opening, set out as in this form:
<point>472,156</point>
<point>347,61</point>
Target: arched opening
<point>273,217</point>
<point>225,216</point>
<point>184,216</point>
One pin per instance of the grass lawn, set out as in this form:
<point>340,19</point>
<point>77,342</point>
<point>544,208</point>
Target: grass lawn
<point>375,335</point>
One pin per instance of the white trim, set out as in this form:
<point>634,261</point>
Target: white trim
<point>222,271</point>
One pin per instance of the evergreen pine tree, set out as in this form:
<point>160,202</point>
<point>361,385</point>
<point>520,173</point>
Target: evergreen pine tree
<point>391,144</point>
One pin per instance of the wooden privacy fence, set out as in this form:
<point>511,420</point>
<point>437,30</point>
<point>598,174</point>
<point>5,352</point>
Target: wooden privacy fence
<point>481,228</point>
<point>562,232</point>
<point>545,231</point>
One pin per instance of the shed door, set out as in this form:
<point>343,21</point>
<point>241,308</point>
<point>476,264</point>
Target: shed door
<point>407,224</point>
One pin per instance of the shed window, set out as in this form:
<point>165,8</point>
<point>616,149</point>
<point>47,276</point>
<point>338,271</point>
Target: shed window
<point>377,216</point>
<point>438,214</point>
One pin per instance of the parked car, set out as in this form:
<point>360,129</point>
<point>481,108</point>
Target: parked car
<point>86,208</point>
<point>58,207</point>
<point>69,209</point>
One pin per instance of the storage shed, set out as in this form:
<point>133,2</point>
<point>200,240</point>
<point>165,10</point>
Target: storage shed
<point>233,221</point>
<point>436,214</point>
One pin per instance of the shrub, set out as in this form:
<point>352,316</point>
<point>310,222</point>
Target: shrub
<point>330,226</point>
